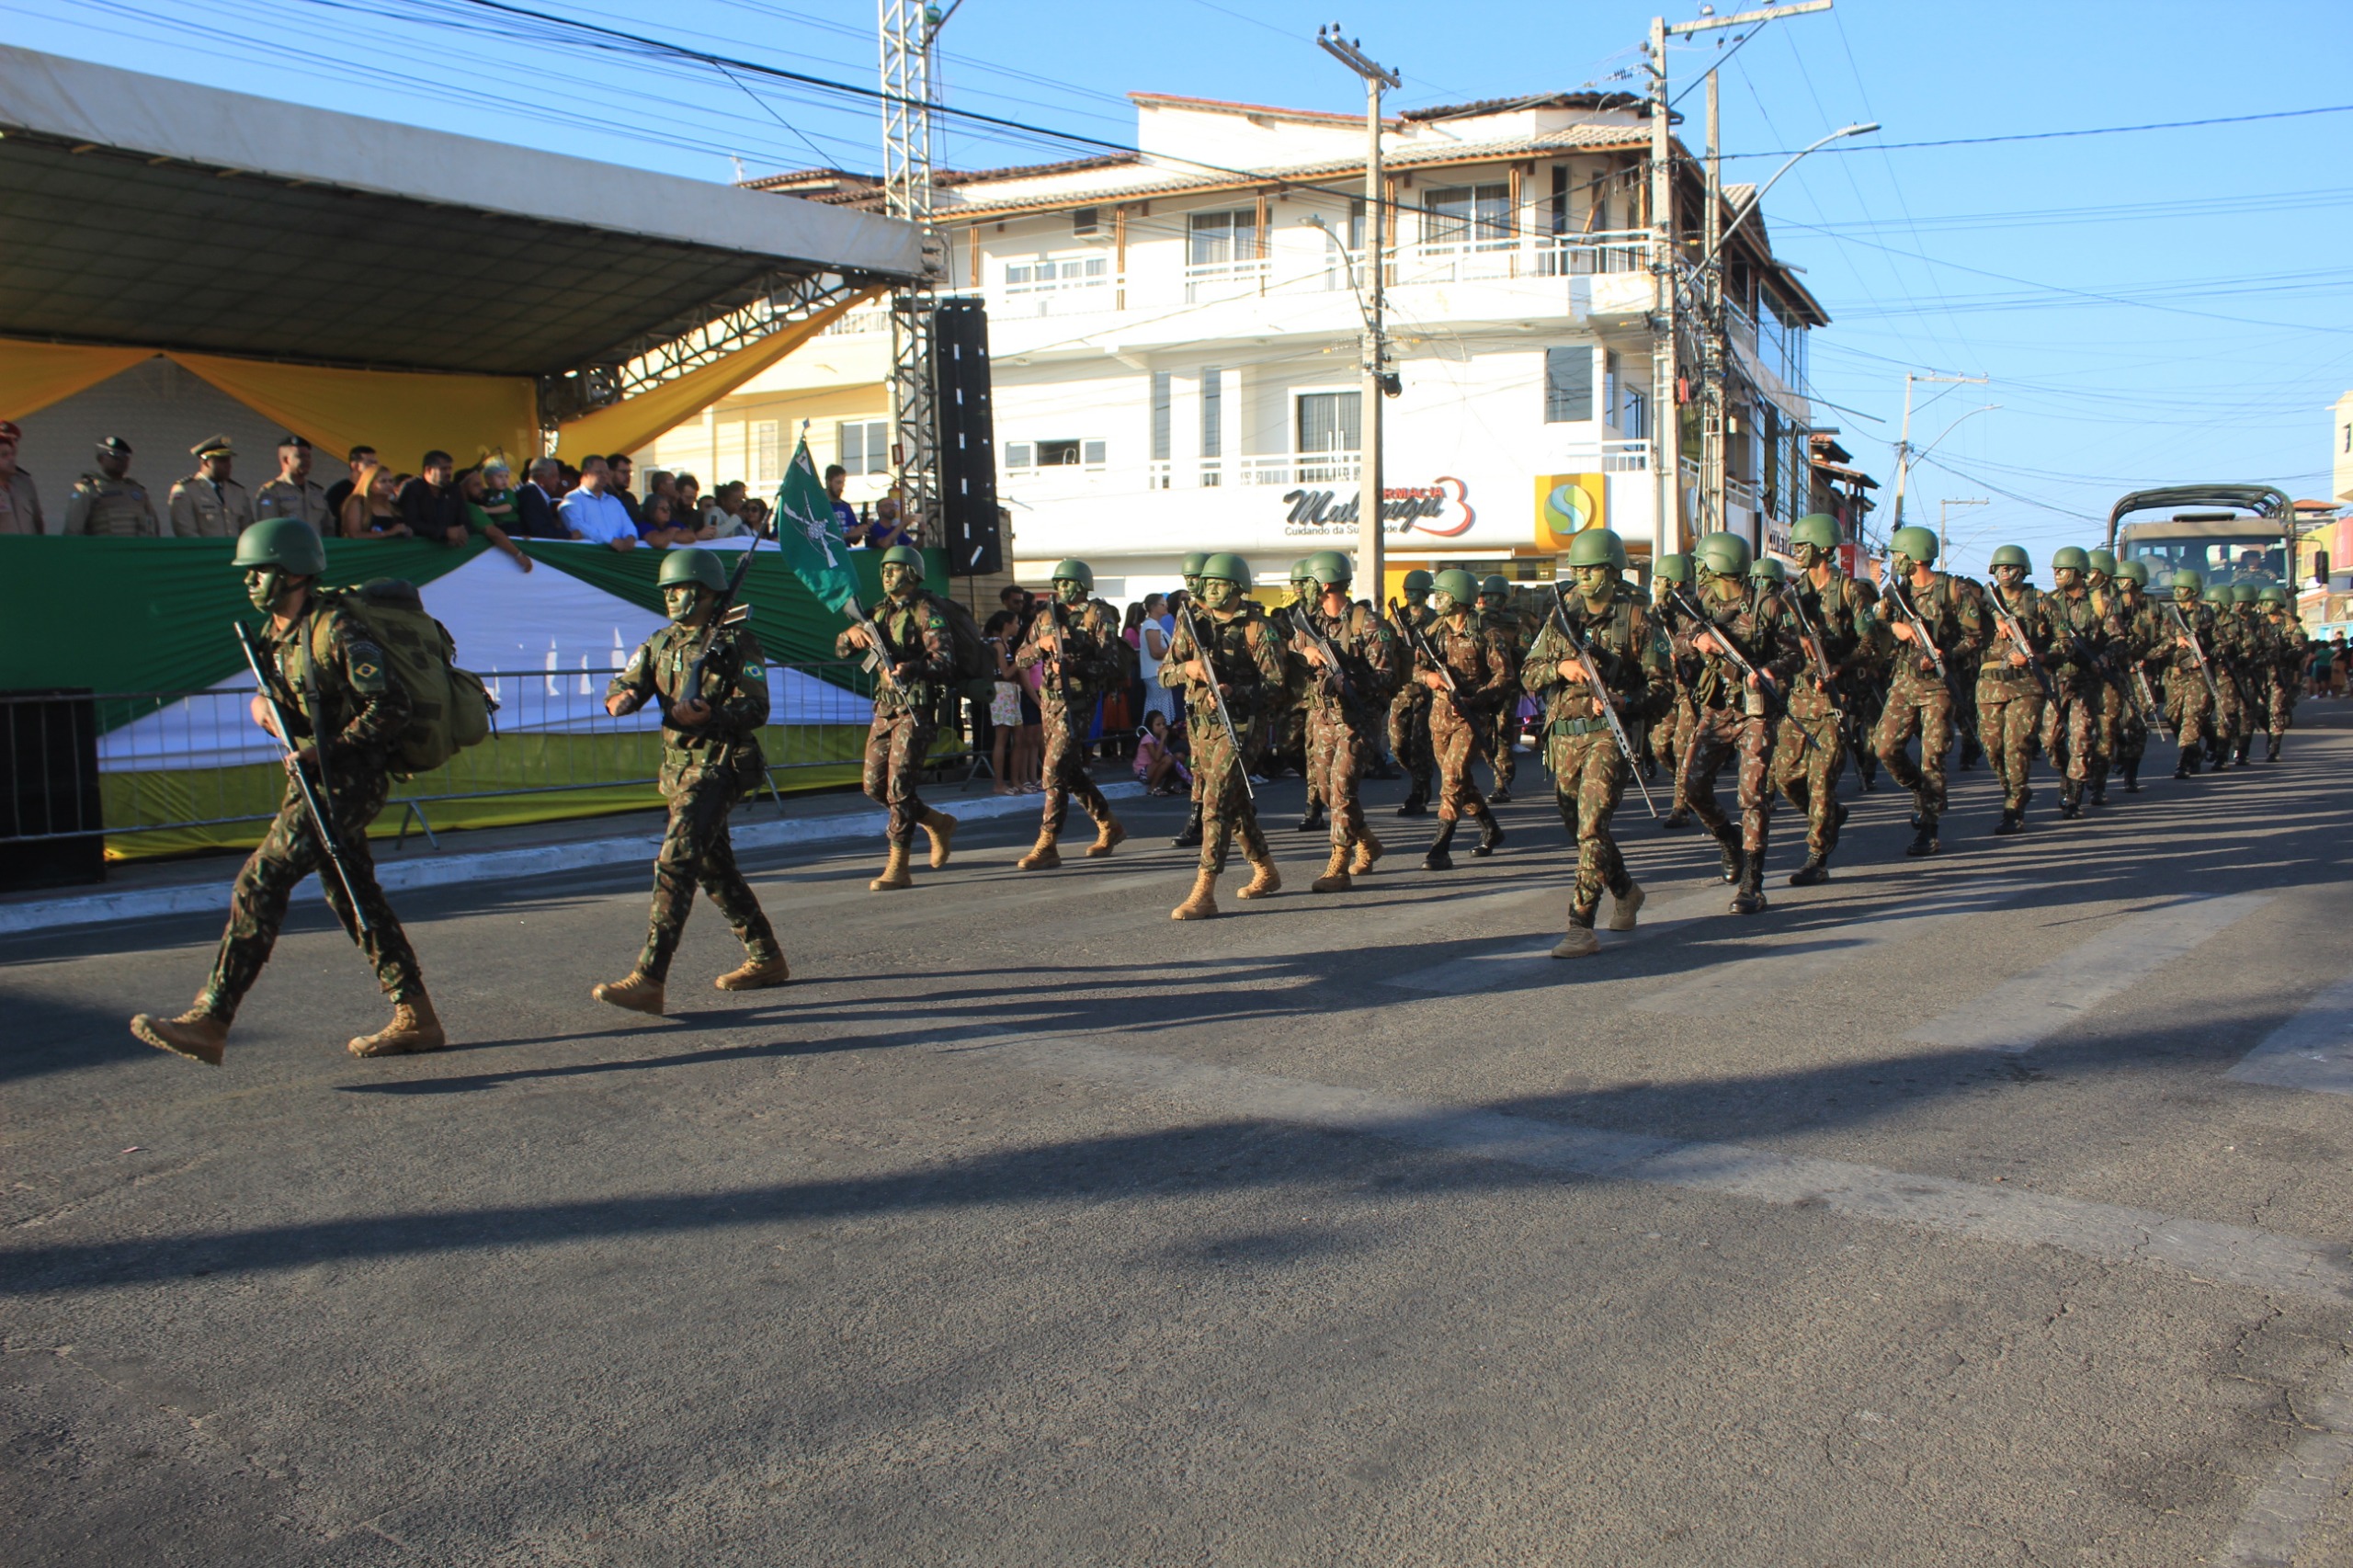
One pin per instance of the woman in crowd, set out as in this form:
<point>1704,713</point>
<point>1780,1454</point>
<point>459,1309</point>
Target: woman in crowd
<point>656,527</point>
<point>369,512</point>
<point>1152,650</point>
<point>1004,706</point>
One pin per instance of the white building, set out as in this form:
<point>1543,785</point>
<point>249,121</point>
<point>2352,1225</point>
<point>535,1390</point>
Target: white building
<point>1175,342</point>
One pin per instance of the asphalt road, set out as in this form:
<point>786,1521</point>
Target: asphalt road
<point>1989,1210</point>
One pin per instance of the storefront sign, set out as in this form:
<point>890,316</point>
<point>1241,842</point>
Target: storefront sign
<point>1567,504</point>
<point>1440,509</point>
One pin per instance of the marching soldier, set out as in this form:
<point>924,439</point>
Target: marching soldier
<point>918,654</point>
<point>209,503</point>
<point>1224,657</point>
<point>1298,675</point>
<point>1466,679</point>
<point>1190,836</point>
<point>2225,651</point>
<point>347,709</point>
<point>2010,681</point>
<point>1409,711</point>
<point>1495,612</point>
<point>1866,681</point>
<point>291,494</point>
<point>1345,709</point>
<point>109,504</point>
<point>1729,622</point>
<point>1629,653</point>
<point>1670,732</point>
<point>2115,701</point>
<point>1824,612</point>
<point>1936,621</point>
<point>713,688</point>
<point>1076,637</point>
<point>2188,628</point>
<point>2256,650</point>
<point>2142,638</point>
<point>2081,631</point>
<point>2291,650</point>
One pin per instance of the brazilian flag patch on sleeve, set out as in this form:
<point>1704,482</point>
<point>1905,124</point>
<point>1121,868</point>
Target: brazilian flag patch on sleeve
<point>367,664</point>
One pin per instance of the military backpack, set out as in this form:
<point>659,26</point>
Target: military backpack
<point>449,708</point>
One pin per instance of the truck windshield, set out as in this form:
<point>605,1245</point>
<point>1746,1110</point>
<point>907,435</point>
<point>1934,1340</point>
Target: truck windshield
<point>2220,558</point>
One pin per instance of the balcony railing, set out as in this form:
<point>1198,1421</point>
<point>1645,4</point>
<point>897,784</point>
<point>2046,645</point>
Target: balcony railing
<point>1208,280</point>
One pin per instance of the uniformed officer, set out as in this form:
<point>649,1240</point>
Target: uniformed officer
<point>1076,638</point>
<point>1940,622</point>
<point>1810,751</point>
<point>1224,658</point>
<point>20,510</point>
<point>1502,736</point>
<point>918,651</point>
<point>1190,836</point>
<point>1465,665</point>
<point>109,504</point>
<point>291,494</point>
<point>1409,710</point>
<point>1670,732</point>
<point>209,503</point>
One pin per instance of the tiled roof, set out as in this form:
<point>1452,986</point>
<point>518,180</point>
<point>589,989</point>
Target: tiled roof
<point>1627,101</point>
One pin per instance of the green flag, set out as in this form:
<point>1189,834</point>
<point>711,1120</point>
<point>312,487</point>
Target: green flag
<point>810,535</point>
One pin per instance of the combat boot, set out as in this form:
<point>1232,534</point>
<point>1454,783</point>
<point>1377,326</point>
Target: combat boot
<point>414,1028</point>
<point>1815,869</point>
<point>2099,790</point>
<point>2271,748</point>
<point>1368,849</point>
<point>1418,802</point>
<point>195,1034</point>
<point>1265,880</point>
<point>2246,748</point>
<point>1044,855</point>
<point>1502,796</point>
<point>2011,822</point>
<point>639,994</point>
<point>755,974</point>
<point>1728,846</point>
<point>894,872</point>
<point>941,829</point>
<point>1579,942</point>
<point>1190,836</point>
<point>1675,820</point>
<point>1750,899</point>
<point>1201,903</point>
<point>2071,801</point>
<point>1437,859</point>
<point>1924,837</point>
<point>1624,906</point>
<point>1336,878</point>
<point>2132,778</point>
<point>1109,836</point>
<point>1314,821</point>
<point>1491,837</point>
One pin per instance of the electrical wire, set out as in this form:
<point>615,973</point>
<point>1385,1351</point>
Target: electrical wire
<point>2064,135</point>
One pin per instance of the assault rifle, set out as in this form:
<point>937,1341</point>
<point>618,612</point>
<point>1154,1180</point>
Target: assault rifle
<point>2016,633</point>
<point>322,817</point>
<point>1217,696</point>
<point>2147,701</point>
<point>1062,644</point>
<point>2205,670</point>
<point>726,615</point>
<point>1417,641</point>
<point>2095,663</point>
<point>1303,624</point>
<point>1900,591</point>
<point>1601,696</point>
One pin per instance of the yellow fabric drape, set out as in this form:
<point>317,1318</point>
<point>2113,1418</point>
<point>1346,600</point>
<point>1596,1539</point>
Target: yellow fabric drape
<point>627,425</point>
<point>402,413</point>
<point>34,375</point>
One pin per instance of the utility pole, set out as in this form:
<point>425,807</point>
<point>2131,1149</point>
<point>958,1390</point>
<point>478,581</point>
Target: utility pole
<point>909,31</point>
<point>1666,408</point>
<point>1714,395</point>
<point>1944,510</point>
<point>1904,441</point>
<point>1371,527</point>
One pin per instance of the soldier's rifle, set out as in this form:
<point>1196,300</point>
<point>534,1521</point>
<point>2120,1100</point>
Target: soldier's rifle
<point>1729,645</point>
<point>1901,592</point>
<point>1417,641</point>
<point>1582,653</point>
<point>1303,625</point>
<point>2205,670</point>
<point>2153,714</point>
<point>322,817</point>
<point>2012,628</point>
<point>726,613</point>
<point>2077,648</point>
<point>1217,695</point>
<point>1810,637</point>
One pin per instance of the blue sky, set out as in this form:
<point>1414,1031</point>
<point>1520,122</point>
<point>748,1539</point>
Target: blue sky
<point>2151,308</point>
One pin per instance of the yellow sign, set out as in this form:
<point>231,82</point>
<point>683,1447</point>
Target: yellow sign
<point>1567,504</point>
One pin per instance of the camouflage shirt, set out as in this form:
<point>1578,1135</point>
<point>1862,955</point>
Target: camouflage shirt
<point>1758,623</point>
<point>2080,629</point>
<point>1629,645</point>
<point>2026,620</point>
<point>734,682</point>
<point>333,680</point>
<point>1954,616</point>
<point>1092,659</point>
<point>2172,617</point>
<point>1246,656</point>
<point>915,630</point>
<point>1368,653</point>
<point>1476,652</point>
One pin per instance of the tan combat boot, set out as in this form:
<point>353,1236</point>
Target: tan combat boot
<point>1109,836</point>
<point>1368,849</point>
<point>195,1034</point>
<point>1580,942</point>
<point>414,1028</point>
<point>1044,855</point>
<point>1265,880</point>
<point>894,872</point>
<point>1624,906</point>
<point>755,974</point>
<point>639,994</point>
<point>1201,903</point>
<point>1335,877</point>
<point>942,829</point>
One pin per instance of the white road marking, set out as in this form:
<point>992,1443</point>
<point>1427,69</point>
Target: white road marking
<point>2202,1250</point>
<point>2029,1008</point>
<point>1480,972</point>
<point>2302,1483</point>
<point>2312,1050</point>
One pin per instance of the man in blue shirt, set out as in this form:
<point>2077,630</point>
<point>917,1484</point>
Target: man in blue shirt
<point>837,477</point>
<point>594,513</point>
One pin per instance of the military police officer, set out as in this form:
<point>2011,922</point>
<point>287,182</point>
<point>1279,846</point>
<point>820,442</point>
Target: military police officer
<point>109,504</point>
<point>1075,638</point>
<point>210,503</point>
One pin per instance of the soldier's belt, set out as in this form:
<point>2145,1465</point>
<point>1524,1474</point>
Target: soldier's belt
<point>1577,726</point>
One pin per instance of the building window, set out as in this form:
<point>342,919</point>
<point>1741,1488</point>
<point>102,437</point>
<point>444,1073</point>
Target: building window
<point>1634,419</point>
<point>1331,422</point>
<point>1163,409</point>
<point>863,446</point>
<point>1568,384</point>
<point>767,466</point>
<point>1609,386</point>
<point>1084,221</point>
<point>1475,215</point>
<point>1212,411</point>
<point>1356,224</point>
<point>1221,239</point>
<point>1058,454</point>
<point>1092,453</point>
<point>1020,454</point>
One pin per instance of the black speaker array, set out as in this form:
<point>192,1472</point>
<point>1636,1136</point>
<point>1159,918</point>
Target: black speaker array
<point>968,532</point>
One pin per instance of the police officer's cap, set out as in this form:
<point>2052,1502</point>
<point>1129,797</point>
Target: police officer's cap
<point>291,440</point>
<point>115,445</point>
<point>213,445</point>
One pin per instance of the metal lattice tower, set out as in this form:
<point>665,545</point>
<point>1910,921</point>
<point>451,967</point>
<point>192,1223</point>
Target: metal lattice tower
<point>908,33</point>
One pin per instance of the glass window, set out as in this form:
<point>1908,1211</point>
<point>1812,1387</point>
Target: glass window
<point>1476,215</point>
<point>1330,422</point>
<point>1568,384</point>
<point>1058,454</point>
<point>862,446</point>
<point>1163,408</point>
<point>1093,453</point>
<point>1221,239</point>
<point>1212,411</point>
<point>767,469</point>
<point>1019,454</point>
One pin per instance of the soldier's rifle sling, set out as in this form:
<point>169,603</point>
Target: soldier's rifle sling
<point>2205,670</point>
<point>322,817</point>
<point>724,616</point>
<point>1303,624</point>
<point>1601,695</point>
<point>1814,645</point>
<point>1418,642</point>
<point>1897,590</point>
<point>2016,635</point>
<point>1225,719</point>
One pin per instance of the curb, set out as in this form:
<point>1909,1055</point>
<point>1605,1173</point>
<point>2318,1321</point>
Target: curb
<point>495,865</point>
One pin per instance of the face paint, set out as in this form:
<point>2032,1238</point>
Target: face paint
<point>1219,594</point>
<point>1442,602</point>
<point>1070,591</point>
<point>896,580</point>
<point>679,599</point>
<point>263,587</point>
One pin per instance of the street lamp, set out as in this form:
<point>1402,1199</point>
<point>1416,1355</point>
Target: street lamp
<point>1757,202</point>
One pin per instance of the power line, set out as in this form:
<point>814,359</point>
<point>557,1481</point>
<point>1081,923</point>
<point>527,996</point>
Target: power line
<point>2061,135</point>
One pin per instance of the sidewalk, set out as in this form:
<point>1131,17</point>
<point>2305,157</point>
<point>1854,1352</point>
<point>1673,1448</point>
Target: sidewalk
<point>138,891</point>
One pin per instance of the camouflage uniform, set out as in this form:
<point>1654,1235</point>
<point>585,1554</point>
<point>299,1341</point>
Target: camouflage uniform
<point>1091,665</point>
<point>1245,658</point>
<point>704,771</point>
<point>1409,721</point>
<point>1479,655</point>
<point>2257,649</point>
<point>906,709</point>
<point>330,679</point>
<point>2292,652</point>
<point>2141,638</point>
<point>2188,703</point>
<point>2228,652</point>
<point>111,509</point>
<point>1730,720</point>
<point>1341,731</point>
<point>2009,696</point>
<point>2082,628</point>
<point>1672,729</point>
<point>1919,702</point>
<point>1810,751</point>
<point>1588,771</point>
<point>1500,726</point>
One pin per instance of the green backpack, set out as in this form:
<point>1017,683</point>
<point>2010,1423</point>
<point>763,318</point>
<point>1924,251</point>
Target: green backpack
<point>449,708</point>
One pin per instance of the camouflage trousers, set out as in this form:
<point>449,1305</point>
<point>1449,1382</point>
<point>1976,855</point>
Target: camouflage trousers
<point>1808,757</point>
<point>2230,713</point>
<point>287,853</point>
<point>1719,734</point>
<point>1227,810</point>
<point>698,851</point>
<point>1918,707</point>
<point>2191,708</point>
<point>2123,699</point>
<point>1337,755</point>
<point>2009,721</point>
<point>896,747</point>
<point>1064,769</point>
<point>1455,744</point>
<point>1588,779</point>
<point>1409,732</point>
<point>1497,733</point>
<point>2071,735</point>
<point>2279,704</point>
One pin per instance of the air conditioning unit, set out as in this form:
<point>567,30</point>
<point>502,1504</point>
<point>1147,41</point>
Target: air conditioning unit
<point>1086,222</point>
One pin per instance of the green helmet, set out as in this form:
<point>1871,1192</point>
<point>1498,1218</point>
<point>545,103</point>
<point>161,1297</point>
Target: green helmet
<point>2104,563</point>
<point>2219,594</point>
<point>2274,595</point>
<point>1075,570</point>
<point>2135,571</point>
<point>1329,569</point>
<point>2070,558</point>
<point>1227,567</point>
<point>1819,529</point>
<point>1457,585</point>
<point>2189,578</point>
<point>2014,556</point>
<point>1418,582</point>
<point>1299,573</point>
<point>1494,586</point>
<point>1767,569</point>
<point>691,566</point>
<point>1193,563</point>
<point>1915,543</point>
<point>2244,593</point>
<point>905,555</point>
<point>1725,555</point>
<point>288,543</point>
<point>1674,568</point>
<point>1602,546</point>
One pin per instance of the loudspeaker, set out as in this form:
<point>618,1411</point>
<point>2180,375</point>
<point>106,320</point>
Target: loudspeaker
<point>969,532</point>
<point>51,829</point>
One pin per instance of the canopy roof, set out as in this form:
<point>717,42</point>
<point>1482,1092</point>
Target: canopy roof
<point>153,213</point>
<point>2263,500</point>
